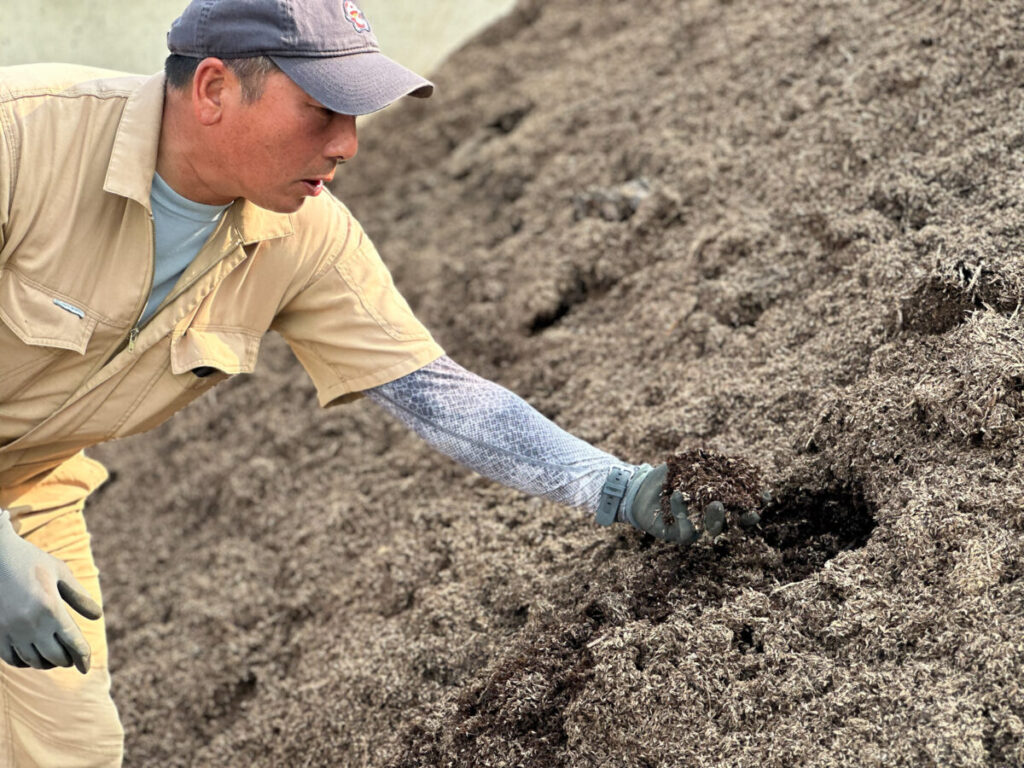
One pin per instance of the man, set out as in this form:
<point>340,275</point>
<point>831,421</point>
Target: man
<point>151,231</point>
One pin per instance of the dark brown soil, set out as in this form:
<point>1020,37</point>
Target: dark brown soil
<point>787,230</point>
<point>702,476</point>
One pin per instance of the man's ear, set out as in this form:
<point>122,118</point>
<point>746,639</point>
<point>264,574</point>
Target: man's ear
<point>210,85</point>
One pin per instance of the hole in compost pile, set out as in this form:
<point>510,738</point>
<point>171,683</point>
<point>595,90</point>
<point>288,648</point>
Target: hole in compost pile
<point>595,613</point>
<point>569,299</point>
<point>229,698</point>
<point>580,288</point>
<point>640,661</point>
<point>507,121</point>
<point>518,617</point>
<point>939,305</point>
<point>810,527</point>
<point>904,207</point>
<point>935,307</point>
<point>743,641</point>
<point>742,310</point>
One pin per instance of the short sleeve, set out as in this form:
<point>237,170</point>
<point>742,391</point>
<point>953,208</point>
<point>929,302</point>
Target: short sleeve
<point>351,329</point>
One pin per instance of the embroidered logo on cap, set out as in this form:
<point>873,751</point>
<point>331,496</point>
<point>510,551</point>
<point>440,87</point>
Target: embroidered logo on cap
<point>353,14</point>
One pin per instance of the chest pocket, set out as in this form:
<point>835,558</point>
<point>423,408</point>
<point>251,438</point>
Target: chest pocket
<point>37,326</point>
<point>204,356</point>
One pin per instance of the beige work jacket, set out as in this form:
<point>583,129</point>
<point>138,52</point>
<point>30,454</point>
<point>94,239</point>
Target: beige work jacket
<point>78,149</point>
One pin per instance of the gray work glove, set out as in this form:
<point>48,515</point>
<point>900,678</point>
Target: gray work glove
<point>641,507</point>
<point>35,628</point>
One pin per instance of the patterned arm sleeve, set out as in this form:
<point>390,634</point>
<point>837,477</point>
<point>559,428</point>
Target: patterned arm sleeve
<point>496,433</point>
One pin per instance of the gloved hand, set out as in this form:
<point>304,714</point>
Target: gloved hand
<point>641,507</point>
<point>35,628</point>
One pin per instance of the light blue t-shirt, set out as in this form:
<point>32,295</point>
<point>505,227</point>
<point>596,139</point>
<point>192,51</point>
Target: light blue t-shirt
<point>180,227</point>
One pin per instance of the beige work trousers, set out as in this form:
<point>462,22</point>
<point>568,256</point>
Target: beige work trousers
<point>60,718</point>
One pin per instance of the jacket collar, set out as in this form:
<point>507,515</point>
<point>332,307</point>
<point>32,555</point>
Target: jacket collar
<point>133,163</point>
<point>133,158</point>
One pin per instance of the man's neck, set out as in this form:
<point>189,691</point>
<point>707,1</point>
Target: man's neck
<point>180,153</point>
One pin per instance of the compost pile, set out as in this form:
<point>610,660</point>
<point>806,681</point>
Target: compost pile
<point>786,231</point>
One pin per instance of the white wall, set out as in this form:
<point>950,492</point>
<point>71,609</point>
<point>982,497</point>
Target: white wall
<point>129,35</point>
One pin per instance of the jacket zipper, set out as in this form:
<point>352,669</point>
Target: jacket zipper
<point>133,334</point>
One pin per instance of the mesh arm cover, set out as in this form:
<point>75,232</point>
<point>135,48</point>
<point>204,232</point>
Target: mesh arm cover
<point>496,433</point>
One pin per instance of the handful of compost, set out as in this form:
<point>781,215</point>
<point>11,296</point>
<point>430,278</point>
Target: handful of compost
<point>693,491</point>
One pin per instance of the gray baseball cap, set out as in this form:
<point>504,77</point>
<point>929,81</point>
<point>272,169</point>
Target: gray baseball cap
<point>325,46</point>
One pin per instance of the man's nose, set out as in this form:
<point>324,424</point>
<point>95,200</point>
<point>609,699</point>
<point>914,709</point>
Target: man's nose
<point>343,143</point>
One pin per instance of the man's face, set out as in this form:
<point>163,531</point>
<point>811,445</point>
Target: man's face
<point>283,148</point>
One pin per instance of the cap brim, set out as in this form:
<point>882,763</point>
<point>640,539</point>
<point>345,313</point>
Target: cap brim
<point>356,84</point>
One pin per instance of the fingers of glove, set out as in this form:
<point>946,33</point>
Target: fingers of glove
<point>677,505</point>
<point>687,533</point>
<point>30,656</point>
<point>74,643</point>
<point>74,594</point>
<point>45,663</point>
<point>714,518</point>
<point>749,519</point>
<point>79,657</point>
<point>8,655</point>
<point>51,650</point>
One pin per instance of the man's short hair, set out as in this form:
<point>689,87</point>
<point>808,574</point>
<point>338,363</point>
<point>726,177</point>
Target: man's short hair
<point>251,73</point>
